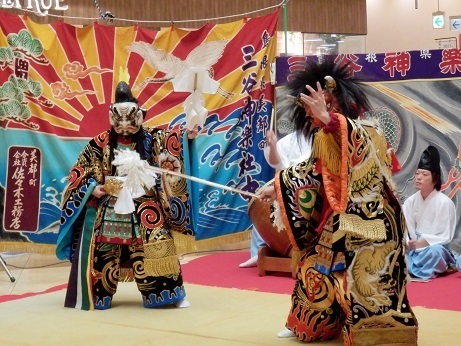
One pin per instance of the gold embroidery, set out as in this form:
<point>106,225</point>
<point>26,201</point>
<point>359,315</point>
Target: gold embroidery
<point>355,226</point>
<point>159,249</point>
<point>327,149</point>
<point>162,266</point>
<point>160,258</point>
<point>113,186</point>
<point>369,276</point>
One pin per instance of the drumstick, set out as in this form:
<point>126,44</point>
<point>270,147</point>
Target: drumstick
<point>202,181</point>
<point>271,124</point>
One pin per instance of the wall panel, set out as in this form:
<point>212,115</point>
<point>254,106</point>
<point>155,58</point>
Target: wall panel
<point>313,16</point>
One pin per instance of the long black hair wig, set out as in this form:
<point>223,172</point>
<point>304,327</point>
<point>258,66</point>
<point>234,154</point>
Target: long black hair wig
<point>349,91</point>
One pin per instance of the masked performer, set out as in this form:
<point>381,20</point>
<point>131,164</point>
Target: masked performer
<point>431,221</point>
<point>340,208</point>
<point>106,247</point>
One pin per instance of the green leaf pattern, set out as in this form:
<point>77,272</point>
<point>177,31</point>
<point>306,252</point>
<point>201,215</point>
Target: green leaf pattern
<point>14,105</point>
<point>25,40</point>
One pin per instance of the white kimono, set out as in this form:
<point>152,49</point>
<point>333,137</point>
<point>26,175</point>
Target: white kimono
<point>292,149</point>
<point>433,219</point>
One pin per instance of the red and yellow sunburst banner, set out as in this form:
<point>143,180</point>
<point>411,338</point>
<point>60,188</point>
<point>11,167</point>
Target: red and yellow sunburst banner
<point>58,80</point>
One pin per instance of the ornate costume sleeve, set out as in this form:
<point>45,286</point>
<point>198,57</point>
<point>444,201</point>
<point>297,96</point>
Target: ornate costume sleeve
<point>301,191</point>
<point>83,177</point>
<point>167,154</point>
<point>300,196</point>
<point>355,168</point>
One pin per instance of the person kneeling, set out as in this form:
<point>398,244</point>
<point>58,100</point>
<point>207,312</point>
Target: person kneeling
<point>431,219</point>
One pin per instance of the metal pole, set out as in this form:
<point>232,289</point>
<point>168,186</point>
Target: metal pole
<point>2,262</point>
<point>285,27</point>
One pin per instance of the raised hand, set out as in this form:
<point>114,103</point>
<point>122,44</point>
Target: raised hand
<point>315,104</point>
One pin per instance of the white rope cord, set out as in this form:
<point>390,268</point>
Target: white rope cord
<point>135,21</point>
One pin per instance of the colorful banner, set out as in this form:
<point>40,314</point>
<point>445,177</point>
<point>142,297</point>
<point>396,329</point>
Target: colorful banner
<point>57,82</point>
<point>416,97</point>
<point>384,67</point>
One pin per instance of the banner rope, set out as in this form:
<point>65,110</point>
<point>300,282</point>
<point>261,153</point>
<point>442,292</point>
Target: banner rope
<point>107,14</point>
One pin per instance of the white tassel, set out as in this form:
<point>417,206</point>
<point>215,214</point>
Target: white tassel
<point>137,176</point>
<point>276,215</point>
<point>197,81</point>
<point>195,111</point>
<point>124,204</point>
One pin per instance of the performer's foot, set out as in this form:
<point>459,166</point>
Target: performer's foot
<point>183,303</point>
<point>450,270</point>
<point>286,333</point>
<point>252,262</point>
<point>102,304</point>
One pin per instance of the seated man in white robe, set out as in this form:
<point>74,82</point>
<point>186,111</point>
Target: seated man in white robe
<point>431,219</point>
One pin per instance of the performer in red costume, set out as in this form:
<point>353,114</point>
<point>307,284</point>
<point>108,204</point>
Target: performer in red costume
<point>340,207</point>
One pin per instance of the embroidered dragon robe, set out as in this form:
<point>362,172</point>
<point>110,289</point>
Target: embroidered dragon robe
<point>339,208</point>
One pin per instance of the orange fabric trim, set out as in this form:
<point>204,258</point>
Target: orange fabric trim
<point>336,186</point>
<point>284,212</point>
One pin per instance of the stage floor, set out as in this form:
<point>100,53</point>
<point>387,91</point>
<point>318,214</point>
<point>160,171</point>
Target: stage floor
<point>224,313</point>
